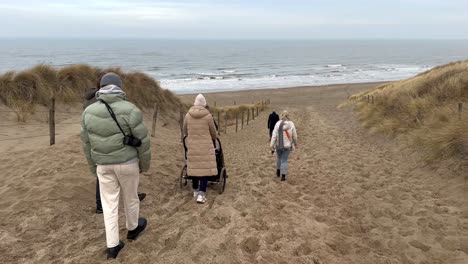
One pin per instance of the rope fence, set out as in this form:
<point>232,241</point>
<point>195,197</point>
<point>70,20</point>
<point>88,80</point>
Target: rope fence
<point>238,119</point>
<point>52,123</point>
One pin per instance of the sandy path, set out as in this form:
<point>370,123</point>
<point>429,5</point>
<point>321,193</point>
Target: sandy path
<point>350,198</point>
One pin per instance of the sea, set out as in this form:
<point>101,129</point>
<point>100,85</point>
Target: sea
<point>193,66</point>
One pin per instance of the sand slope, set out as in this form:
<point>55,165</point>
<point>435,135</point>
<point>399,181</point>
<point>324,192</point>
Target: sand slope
<point>351,197</point>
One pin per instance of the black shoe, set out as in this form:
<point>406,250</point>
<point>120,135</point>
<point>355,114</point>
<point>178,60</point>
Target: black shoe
<point>113,252</point>
<point>99,210</point>
<point>277,173</point>
<point>132,235</point>
<point>283,177</point>
<point>141,196</point>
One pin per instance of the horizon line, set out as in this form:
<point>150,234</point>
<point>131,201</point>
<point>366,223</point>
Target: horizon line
<point>197,38</point>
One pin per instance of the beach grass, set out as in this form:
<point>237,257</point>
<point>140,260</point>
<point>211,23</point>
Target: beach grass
<point>22,91</point>
<point>424,108</point>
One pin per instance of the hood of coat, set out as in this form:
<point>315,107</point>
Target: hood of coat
<point>111,93</point>
<point>198,112</point>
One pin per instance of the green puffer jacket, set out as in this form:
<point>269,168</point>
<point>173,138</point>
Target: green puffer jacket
<point>102,139</point>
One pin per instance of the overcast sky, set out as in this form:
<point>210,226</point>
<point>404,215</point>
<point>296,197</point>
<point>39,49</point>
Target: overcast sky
<point>278,19</point>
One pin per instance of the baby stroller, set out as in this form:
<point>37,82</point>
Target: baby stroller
<point>219,179</point>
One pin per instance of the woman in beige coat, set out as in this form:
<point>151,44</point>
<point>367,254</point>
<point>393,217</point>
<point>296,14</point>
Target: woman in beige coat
<point>200,130</point>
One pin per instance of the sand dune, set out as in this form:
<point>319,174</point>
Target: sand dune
<point>351,197</point>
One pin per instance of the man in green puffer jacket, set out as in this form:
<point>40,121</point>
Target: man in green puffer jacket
<point>89,99</point>
<point>116,165</point>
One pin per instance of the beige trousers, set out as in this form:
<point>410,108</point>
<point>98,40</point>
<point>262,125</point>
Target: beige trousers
<point>114,180</point>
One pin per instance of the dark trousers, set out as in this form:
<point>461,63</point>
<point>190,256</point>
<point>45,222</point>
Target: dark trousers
<point>271,132</point>
<point>203,183</point>
<point>98,195</point>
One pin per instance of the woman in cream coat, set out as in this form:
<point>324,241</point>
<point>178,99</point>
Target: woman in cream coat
<point>200,130</point>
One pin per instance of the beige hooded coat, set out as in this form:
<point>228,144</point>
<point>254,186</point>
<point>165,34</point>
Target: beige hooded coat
<point>200,130</point>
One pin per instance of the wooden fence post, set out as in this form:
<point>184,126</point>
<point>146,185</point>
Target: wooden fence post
<point>237,121</point>
<point>181,124</point>
<point>372,99</point>
<point>155,118</point>
<point>368,98</point>
<point>253,114</point>
<point>219,124</point>
<point>225,122</point>
<point>248,115</point>
<point>242,123</point>
<point>52,121</point>
<point>460,110</point>
<point>257,110</point>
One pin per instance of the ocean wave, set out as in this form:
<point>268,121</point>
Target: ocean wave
<point>208,73</point>
<point>401,68</point>
<point>223,83</point>
<point>212,75</point>
<point>334,65</point>
<point>155,68</point>
<point>208,78</point>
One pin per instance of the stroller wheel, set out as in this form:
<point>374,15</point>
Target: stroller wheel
<point>222,181</point>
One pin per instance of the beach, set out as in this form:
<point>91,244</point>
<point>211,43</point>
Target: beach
<point>350,197</point>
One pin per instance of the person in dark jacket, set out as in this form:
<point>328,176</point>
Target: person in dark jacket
<point>90,97</point>
<point>272,120</point>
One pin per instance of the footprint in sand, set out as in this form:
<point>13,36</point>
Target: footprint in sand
<point>250,245</point>
<point>219,222</point>
<point>303,249</point>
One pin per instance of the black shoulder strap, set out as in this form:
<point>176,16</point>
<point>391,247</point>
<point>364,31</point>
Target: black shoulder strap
<point>111,112</point>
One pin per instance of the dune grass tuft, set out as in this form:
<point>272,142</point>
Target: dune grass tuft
<point>22,91</point>
<point>423,108</point>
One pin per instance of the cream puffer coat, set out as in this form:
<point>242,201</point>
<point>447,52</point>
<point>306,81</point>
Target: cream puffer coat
<point>200,130</point>
<point>287,141</point>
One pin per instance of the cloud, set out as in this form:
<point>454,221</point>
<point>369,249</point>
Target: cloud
<point>232,18</point>
<point>124,10</point>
